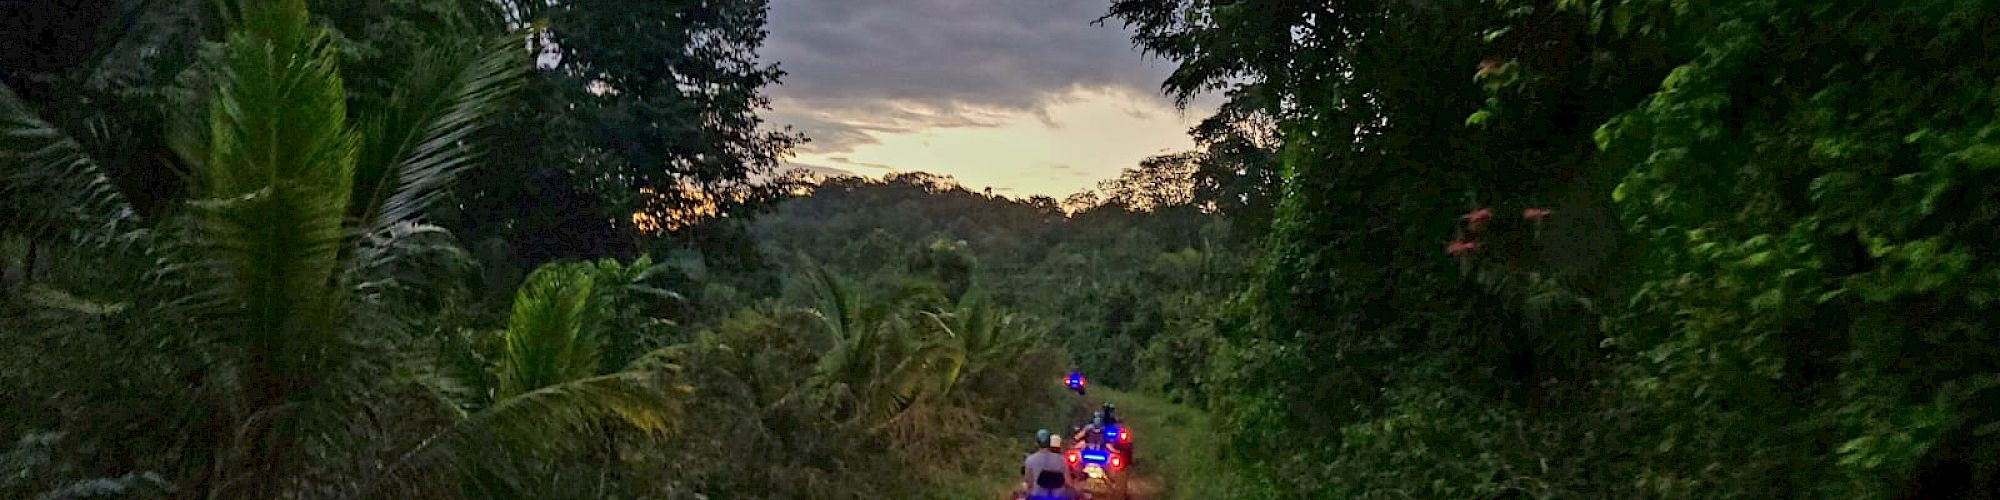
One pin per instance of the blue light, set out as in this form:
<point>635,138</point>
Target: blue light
<point>1095,457</point>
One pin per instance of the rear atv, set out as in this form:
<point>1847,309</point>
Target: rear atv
<point>1100,472</point>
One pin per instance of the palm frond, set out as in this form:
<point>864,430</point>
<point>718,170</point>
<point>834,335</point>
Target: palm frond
<point>486,451</point>
<point>46,297</point>
<point>635,278</point>
<point>932,369</point>
<point>422,139</point>
<point>548,338</point>
<point>133,485</point>
<point>539,418</point>
<point>267,229</point>
<point>399,262</point>
<point>950,355</point>
<point>278,177</point>
<point>837,307</point>
<point>48,183</point>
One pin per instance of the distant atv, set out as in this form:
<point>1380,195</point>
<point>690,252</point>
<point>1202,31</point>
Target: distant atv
<point>1075,383</point>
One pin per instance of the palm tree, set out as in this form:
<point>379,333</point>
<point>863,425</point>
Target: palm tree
<point>992,343</point>
<point>284,270</point>
<point>549,394</point>
<point>922,380</point>
<point>883,362</point>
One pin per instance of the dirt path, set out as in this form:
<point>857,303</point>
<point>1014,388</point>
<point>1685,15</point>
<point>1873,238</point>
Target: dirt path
<point>1145,482</point>
<point>1179,456</point>
<point>1146,487</point>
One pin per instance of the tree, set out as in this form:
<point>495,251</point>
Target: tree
<point>642,118</point>
<point>1369,100</point>
<point>1157,183</point>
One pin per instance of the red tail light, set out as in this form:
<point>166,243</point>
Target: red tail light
<point>1074,457</point>
<point>1117,462</point>
<point>1124,436</point>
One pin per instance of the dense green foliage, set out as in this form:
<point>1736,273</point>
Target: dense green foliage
<point>1490,249</point>
<point>1745,266</point>
<point>237,288</point>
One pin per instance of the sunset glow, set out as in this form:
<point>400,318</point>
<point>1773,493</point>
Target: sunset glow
<point>1088,137</point>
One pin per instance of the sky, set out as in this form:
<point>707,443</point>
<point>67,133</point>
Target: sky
<point>1023,96</point>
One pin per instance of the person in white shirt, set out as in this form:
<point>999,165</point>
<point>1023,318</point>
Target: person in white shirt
<point>1046,473</point>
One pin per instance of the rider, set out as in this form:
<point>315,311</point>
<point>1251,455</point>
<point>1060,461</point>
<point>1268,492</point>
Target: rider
<point>1093,433</point>
<point>1046,473</point>
<point>1108,416</point>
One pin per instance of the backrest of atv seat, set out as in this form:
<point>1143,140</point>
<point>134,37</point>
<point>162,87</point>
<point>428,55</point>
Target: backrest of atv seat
<point>1049,479</point>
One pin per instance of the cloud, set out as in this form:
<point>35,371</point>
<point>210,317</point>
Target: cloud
<point>844,161</point>
<point>859,69</point>
<point>817,169</point>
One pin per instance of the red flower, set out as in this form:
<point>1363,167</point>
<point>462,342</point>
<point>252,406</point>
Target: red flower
<point>1535,214</point>
<point>1477,219</point>
<point>1488,67</point>
<point>1460,248</point>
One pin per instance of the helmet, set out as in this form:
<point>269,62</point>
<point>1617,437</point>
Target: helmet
<point>1055,441</point>
<point>1042,437</point>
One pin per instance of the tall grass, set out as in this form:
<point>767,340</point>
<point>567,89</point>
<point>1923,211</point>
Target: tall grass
<point>1177,452</point>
